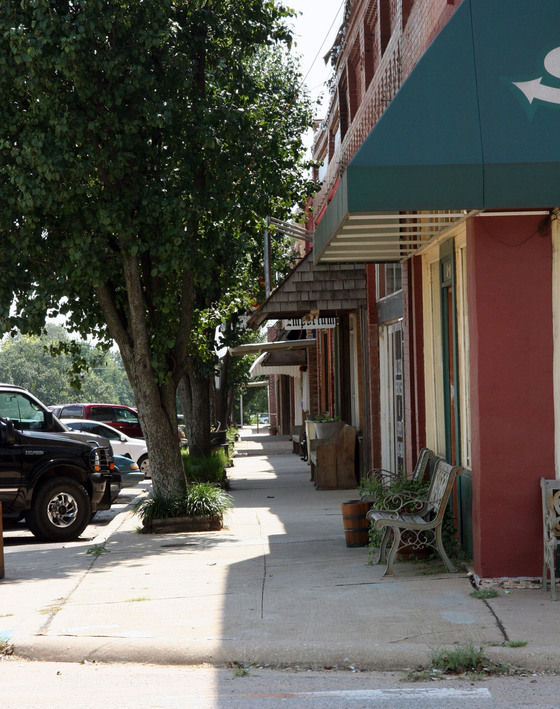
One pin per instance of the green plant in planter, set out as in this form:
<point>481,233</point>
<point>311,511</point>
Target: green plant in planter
<point>324,418</point>
<point>397,493</point>
<point>199,500</point>
<point>209,468</point>
<point>206,500</point>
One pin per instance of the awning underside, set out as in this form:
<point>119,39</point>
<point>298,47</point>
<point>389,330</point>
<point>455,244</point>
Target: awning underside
<point>266,364</point>
<point>383,237</point>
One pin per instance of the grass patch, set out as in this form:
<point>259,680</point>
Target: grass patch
<point>140,599</point>
<point>463,661</point>
<point>517,643</point>
<point>484,593</point>
<point>465,658</point>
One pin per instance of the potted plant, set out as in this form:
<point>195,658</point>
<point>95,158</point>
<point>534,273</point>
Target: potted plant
<point>273,430</point>
<point>324,424</point>
<point>200,508</point>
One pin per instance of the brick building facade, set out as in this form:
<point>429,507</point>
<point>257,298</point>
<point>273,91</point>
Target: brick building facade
<point>439,168</point>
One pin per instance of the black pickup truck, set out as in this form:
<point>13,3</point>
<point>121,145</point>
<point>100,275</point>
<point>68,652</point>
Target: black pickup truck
<point>57,482</point>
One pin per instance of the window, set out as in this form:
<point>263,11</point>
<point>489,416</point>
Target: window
<point>105,431</point>
<point>26,414</point>
<point>102,413</point>
<point>369,52</point>
<point>407,6</point>
<point>72,412</point>
<point>388,278</point>
<point>323,168</point>
<point>354,72</point>
<point>125,415</point>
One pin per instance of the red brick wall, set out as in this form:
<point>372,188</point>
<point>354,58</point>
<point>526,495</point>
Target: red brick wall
<point>396,49</point>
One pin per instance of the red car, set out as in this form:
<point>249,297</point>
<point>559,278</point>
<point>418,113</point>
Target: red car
<point>120,417</point>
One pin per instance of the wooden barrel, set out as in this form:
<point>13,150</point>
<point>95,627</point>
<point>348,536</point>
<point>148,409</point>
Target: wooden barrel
<point>356,526</point>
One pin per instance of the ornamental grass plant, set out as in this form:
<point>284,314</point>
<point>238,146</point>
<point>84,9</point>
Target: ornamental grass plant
<point>199,500</point>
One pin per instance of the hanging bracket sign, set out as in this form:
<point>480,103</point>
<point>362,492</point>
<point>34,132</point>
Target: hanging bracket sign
<point>312,324</point>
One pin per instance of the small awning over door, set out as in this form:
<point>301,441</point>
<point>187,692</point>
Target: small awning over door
<point>476,126</point>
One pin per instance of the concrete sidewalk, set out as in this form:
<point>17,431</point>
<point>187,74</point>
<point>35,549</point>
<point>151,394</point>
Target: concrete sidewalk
<point>277,587</point>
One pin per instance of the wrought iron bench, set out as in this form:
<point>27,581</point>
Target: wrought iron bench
<point>425,462</point>
<point>416,522</point>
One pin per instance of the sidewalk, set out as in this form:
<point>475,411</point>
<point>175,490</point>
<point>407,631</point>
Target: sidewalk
<point>277,587</point>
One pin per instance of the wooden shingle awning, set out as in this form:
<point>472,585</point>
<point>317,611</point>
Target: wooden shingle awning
<point>324,289</point>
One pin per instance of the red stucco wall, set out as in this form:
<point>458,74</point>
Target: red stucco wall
<point>512,417</point>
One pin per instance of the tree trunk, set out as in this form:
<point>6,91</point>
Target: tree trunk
<point>155,399</point>
<point>194,395</point>
<point>157,412</point>
<point>221,398</point>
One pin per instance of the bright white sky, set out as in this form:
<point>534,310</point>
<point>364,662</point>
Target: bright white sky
<point>315,31</point>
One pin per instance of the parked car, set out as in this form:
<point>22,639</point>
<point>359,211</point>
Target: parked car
<point>121,444</point>
<point>129,471</point>
<point>53,480</point>
<point>123,418</point>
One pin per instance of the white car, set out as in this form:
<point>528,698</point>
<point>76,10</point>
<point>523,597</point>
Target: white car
<point>121,444</point>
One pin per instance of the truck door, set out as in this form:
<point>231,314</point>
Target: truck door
<point>11,466</point>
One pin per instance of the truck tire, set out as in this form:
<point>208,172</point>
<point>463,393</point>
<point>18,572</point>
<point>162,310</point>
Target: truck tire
<point>61,510</point>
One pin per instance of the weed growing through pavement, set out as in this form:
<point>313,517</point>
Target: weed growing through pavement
<point>484,593</point>
<point>140,599</point>
<point>240,669</point>
<point>510,643</point>
<point>463,660</point>
<point>97,549</point>
<point>50,610</point>
<point>6,648</point>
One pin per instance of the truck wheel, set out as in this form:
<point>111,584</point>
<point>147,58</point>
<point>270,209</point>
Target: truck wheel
<point>144,465</point>
<point>61,510</point>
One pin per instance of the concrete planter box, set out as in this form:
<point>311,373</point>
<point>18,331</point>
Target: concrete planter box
<point>324,430</point>
<point>182,524</point>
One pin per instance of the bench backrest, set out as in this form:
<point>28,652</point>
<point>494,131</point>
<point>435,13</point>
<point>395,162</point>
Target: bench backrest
<point>443,479</point>
<point>426,459</point>
<point>336,429</point>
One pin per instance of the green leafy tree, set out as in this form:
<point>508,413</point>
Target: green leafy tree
<point>141,143</point>
<point>26,361</point>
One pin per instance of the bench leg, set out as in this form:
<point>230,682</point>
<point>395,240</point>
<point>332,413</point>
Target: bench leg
<point>383,547</point>
<point>442,552</point>
<point>393,551</point>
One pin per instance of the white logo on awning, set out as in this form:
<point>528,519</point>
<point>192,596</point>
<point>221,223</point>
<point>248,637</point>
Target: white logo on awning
<point>535,89</point>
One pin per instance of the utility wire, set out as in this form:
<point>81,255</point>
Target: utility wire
<point>323,43</point>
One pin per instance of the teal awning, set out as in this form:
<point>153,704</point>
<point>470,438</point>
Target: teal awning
<point>476,126</point>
